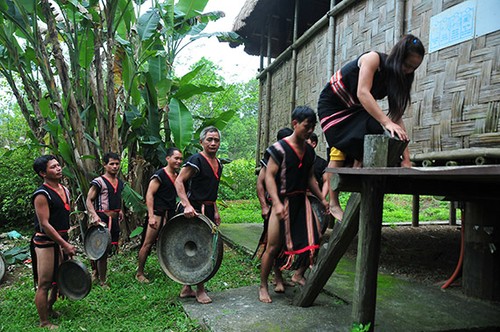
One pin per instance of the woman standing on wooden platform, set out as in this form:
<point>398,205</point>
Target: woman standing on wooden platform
<point>348,109</point>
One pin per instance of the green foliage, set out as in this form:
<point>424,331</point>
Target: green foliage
<point>101,78</point>
<point>240,175</point>
<point>234,212</point>
<point>133,200</point>
<point>16,254</point>
<point>239,136</point>
<point>18,181</point>
<point>358,327</point>
<point>440,212</point>
<point>137,231</point>
<point>397,208</point>
<point>127,305</point>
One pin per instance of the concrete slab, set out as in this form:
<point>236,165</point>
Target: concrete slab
<point>243,236</point>
<point>402,305</point>
<point>240,310</point>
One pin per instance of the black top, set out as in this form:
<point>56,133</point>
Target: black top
<point>110,197</point>
<point>350,76</point>
<point>165,196</point>
<point>58,211</point>
<point>204,185</point>
<point>343,93</point>
<point>320,165</point>
<point>293,174</point>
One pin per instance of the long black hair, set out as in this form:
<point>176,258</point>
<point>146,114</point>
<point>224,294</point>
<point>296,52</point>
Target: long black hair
<point>399,84</point>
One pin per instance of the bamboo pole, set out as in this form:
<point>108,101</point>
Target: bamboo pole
<point>293,92</point>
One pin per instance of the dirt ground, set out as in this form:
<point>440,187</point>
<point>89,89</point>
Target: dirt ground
<point>427,254</point>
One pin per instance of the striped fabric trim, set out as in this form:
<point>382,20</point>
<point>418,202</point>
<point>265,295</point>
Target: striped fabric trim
<point>332,120</point>
<point>297,252</point>
<point>340,90</point>
<point>193,166</point>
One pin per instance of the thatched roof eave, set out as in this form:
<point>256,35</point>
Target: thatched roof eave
<point>245,12</point>
<point>260,18</point>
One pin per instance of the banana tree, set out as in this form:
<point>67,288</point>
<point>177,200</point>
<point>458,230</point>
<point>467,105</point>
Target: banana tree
<point>98,76</point>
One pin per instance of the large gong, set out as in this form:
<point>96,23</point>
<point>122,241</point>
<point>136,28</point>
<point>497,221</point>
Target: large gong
<point>190,249</point>
<point>320,213</point>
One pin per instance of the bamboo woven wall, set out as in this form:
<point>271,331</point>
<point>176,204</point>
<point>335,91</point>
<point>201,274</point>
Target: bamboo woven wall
<point>311,76</point>
<point>279,114</point>
<point>456,99</point>
<point>456,93</point>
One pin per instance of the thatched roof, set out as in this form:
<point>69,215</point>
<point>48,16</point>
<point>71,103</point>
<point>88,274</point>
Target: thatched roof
<point>258,17</point>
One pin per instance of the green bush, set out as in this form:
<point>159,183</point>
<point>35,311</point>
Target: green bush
<point>397,208</point>
<point>234,212</point>
<point>239,180</point>
<point>17,184</point>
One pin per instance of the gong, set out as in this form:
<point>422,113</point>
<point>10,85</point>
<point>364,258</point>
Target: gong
<point>320,213</point>
<point>73,279</point>
<point>3,267</point>
<point>97,242</point>
<point>190,249</point>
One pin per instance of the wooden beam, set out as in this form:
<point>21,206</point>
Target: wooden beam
<point>415,209</point>
<point>451,189</point>
<point>458,154</point>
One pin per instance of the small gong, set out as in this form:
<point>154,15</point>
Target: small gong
<point>97,242</point>
<point>73,279</point>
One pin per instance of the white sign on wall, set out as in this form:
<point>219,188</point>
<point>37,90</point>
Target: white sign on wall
<point>463,22</point>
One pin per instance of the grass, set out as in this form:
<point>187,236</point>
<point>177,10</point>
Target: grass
<point>243,211</point>
<point>128,305</point>
<point>397,208</point>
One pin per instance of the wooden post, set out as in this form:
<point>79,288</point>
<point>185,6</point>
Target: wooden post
<point>415,210</point>
<point>344,233</point>
<point>481,277</point>
<point>453,213</point>
<point>370,228</point>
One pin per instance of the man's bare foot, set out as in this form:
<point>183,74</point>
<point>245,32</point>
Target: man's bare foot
<point>280,287</point>
<point>299,280</point>
<point>104,285</point>
<point>186,292</point>
<point>202,297</point>
<point>336,212</point>
<point>141,278</point>
<point>49,325</point>
<point>264,295</point>
<point>54,314</point>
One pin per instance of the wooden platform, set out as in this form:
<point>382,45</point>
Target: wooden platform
<point>478,186</point>
<point>456,183</point>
